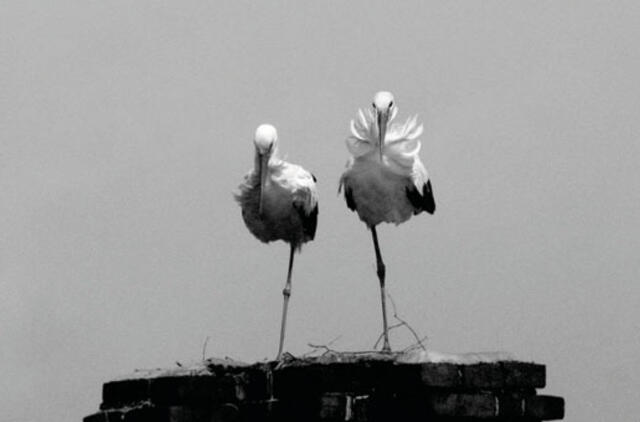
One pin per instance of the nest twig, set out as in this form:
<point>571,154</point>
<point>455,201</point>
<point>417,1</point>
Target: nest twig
<point>402,323</point>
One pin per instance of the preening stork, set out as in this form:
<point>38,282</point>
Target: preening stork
<point>279,201</point>
<point>385,181</point>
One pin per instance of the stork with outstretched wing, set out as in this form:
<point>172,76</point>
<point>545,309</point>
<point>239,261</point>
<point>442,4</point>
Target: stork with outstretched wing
<point>385,181</point>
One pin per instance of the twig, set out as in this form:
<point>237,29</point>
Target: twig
<point>400,324</point>
<point>395,315</point>
<point>322,346</point>
<point>204,348</point>
<point>413,346</point>
<point>334,340</point>
<point>389,329</point>
<point>317,347</point>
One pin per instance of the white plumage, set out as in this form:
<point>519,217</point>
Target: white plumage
<point>279,201</point>
<point>385,181</point>
<point>390,186</point>
<point>290,204</point>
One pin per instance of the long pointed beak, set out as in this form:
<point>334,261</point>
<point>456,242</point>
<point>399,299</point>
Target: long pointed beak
<point>264,167</point>
<point>382,130</point>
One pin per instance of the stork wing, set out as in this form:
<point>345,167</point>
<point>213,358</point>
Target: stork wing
<point>309,220</point>
<point>422,201</point>
<point>348,196</point>
<point>305,202</point>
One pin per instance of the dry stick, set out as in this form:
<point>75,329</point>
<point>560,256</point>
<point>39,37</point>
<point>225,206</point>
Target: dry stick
<point>327,349</point>
<point>334,340</point>
<point>321,346</point>
<point>395,315</point>
<point>401,323</point>
<point>415,345</point>
<point>204,348</point>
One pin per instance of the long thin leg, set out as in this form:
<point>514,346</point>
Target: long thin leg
<point>287,294</point>
<point>381,273</point>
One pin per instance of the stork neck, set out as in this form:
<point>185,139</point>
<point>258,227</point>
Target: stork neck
<point>257,162</point>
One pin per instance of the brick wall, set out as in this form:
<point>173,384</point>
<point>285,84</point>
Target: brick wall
<point>353,387</point>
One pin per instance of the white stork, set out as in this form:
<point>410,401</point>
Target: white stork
<point>279,201</point>
<point>385,181</point>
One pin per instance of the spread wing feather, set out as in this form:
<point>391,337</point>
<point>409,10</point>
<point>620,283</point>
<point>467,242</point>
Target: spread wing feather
<point>422,201</point>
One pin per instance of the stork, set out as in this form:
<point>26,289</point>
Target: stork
<point>385,181</point>
<point>279,201</point>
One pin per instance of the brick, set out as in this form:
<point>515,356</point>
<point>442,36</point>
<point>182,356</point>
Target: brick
<point>335,407</point>
<point>510,404</point>
<point>524,375</point>
<point>263,411</point>
<point>126,392</point>
<point>337,377</point>
<point>482,376</point>
<point>253,383</point>
<point>360,408</point>
<point>358,388</point>
<point>145,414</point>
<point>228,412</point>
<point>196,389</point>
<point>544,407</point>
<point>480,405</point>
<point>441,375</point>
<point>501,375</point>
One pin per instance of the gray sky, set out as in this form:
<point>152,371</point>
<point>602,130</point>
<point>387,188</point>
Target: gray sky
<point>125,127</point>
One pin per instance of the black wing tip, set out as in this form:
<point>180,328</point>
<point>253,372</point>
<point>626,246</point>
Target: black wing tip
<point>429,201</point>
<point>309,222</point>
<point>348,197</point>
<point>424,201</point>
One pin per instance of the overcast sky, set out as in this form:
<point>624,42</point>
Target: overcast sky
<point>125,127</point>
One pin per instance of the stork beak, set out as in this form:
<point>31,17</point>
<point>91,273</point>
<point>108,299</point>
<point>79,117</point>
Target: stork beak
<point>383,117</point>
<point>264,166</point>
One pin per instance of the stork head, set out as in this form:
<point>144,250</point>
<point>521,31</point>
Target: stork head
<point>383,101</point>
<point>383,106</point>
<point>265,139</point>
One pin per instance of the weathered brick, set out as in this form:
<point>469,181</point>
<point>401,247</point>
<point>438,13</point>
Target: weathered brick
<point>126,392</point>
<point>524,375</point>
<point>146,414</point>
<point>335,407</point>
<point>360,409</point>
<point>253,383</point>
<point>359,388</point>
<point>480,405</point>
<point>227,412</point>
<point>482,376</point>
<point>510,404</point>
<point>263,411</point>
<point>196,389</point>
<point>337,377</point>
<point>441,375</point>
<point>544,407</point>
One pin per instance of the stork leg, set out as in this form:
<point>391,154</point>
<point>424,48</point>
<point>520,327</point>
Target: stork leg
<point>383,296</point>
<point>287,294</point>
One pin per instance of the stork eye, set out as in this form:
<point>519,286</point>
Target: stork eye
<point>390,104</point>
